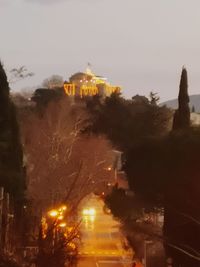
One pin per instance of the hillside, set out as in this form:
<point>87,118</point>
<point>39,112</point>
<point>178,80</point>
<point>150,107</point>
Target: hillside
<point>194,101</point>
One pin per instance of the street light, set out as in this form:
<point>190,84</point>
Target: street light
<point>62,225</point>
<point>60,218</point>
<point>53,213</point>
<point>57,212</point>
<point>63,208</point>
<point>146,242</point>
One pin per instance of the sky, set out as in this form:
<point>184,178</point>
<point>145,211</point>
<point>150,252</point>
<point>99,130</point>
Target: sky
<point>140,45</point>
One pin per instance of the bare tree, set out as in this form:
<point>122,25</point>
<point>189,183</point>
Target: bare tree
<point>17,74</point>
<point>55,147</point>
<point>53,81</point>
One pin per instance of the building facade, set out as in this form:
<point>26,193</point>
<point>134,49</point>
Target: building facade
<point>84,84</point>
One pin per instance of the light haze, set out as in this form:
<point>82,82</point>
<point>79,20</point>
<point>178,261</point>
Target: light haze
<point>138,44</point>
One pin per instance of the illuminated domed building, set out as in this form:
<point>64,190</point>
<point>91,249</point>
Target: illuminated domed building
<point>86,83</point>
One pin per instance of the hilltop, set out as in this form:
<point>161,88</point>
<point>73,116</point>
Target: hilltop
<point>194,101</point>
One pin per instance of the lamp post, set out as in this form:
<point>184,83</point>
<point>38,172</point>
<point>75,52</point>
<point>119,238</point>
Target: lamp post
<point>1,216</point>
<point>146,242</point>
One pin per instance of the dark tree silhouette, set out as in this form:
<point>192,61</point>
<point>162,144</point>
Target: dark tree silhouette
<point>12,171</point>
<point>154,98</point>
<point>126,122</point>
<point>182,114</point>
<point>193,109</point>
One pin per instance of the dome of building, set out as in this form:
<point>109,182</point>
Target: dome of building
<point>79,77</point>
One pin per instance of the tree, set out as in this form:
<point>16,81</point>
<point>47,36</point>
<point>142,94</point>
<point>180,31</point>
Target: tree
<point>166,172</point>
<point>53,81</point>
<point>145,166</point>
<point>11,162</point>
<point>43,96</point>
<point>18,74</point>
<point>182,114</point>
<point>54,152</point>
<point>193,109</point>
<point>181,197</point>
<point>127,122</point>
<point>12,169</point>
<point>154,98</point>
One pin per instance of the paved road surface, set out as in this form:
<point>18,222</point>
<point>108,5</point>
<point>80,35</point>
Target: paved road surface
<point>101,238</point>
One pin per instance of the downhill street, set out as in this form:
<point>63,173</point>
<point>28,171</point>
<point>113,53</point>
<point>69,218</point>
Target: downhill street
<point>102,242</point>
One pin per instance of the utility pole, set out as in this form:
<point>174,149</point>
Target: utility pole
<point>1,215</point>
<point>117,164</point>
<point>7,211</point>
<point>146,242</point>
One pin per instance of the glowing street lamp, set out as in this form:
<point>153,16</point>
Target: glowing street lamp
<point>64,207</point>
<point>60,218</point>
<point>62,225</point>
<point>53,213</point>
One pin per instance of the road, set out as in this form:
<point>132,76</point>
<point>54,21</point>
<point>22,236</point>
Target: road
<point>102,242</point>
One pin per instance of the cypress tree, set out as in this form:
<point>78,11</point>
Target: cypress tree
<point>182,114</point>
<point>12,176</point>
<point>193,109</point>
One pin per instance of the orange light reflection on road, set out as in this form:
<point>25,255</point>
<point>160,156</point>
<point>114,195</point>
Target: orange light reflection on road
<point>89,212</point>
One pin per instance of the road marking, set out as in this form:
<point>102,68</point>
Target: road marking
<point>116,261</point>
<point>105,261</point>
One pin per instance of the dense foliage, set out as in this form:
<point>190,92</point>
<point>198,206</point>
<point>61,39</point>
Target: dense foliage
<point>12,172</point>
<point>127,122</point>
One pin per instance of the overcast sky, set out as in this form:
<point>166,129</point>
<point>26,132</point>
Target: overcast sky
<point>138,44</point>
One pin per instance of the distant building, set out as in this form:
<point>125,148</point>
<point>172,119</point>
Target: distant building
<point>79,86</point>
<point>83,84</point>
